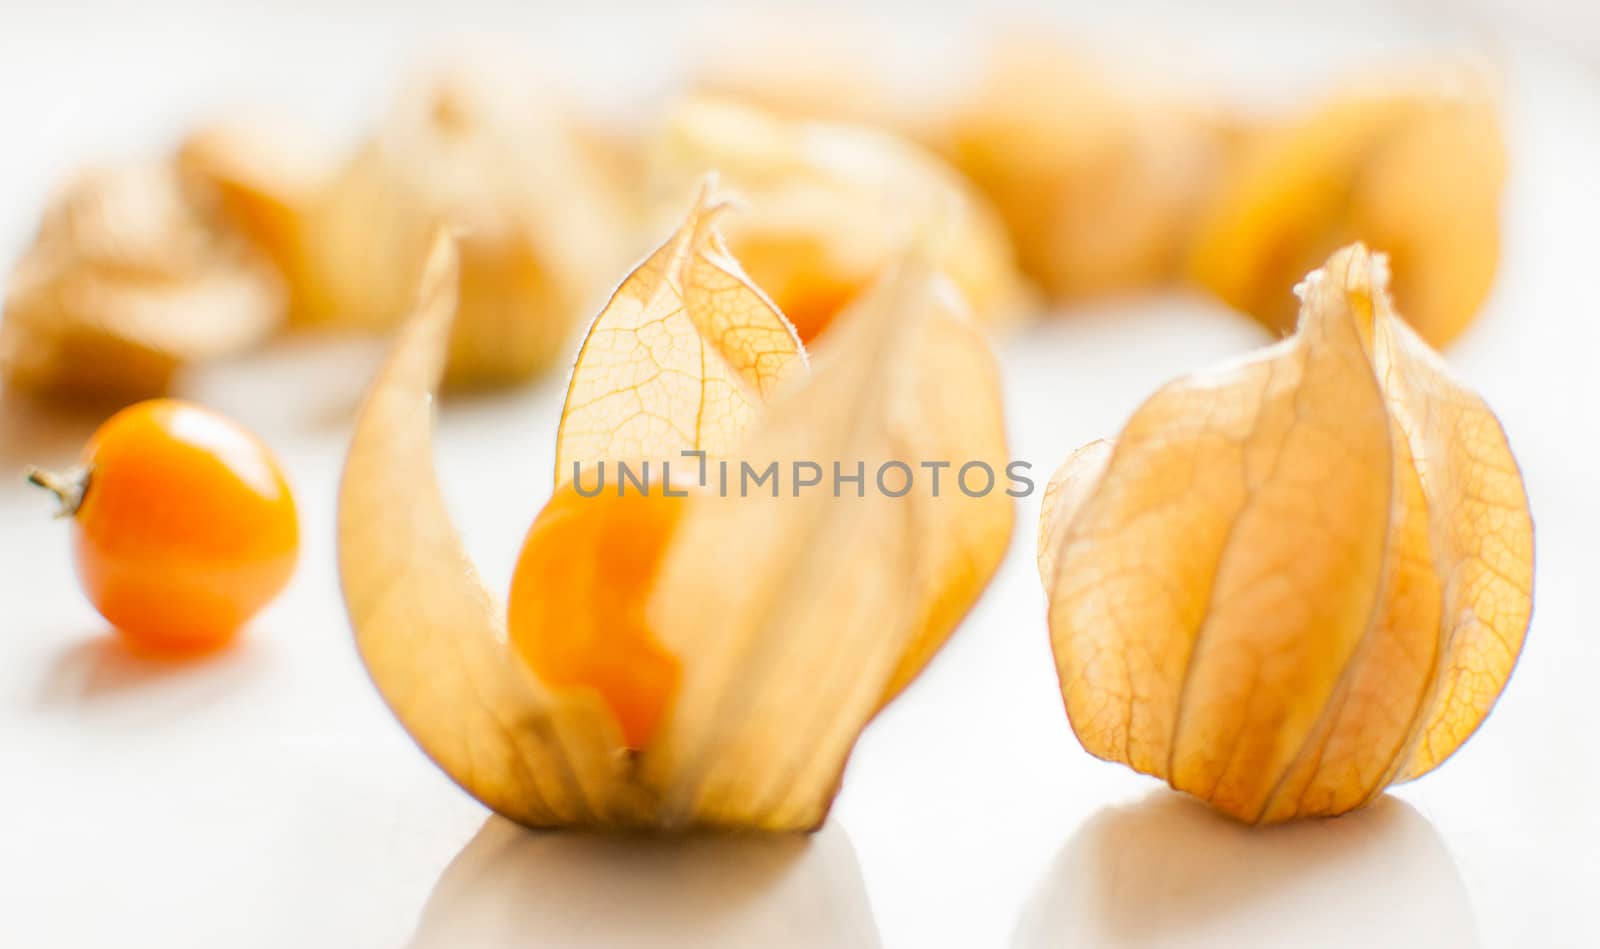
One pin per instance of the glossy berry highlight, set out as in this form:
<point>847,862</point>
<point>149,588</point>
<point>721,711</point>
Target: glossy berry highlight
<point>183,525</point>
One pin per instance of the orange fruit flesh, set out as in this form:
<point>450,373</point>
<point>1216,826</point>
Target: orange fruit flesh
<point>809,287</point>
<point>187,527</point>
<point>812,307</point>
<point>577,613</point>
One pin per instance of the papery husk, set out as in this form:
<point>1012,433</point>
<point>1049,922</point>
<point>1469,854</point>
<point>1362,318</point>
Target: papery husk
<point>794,618</point>
<point>1297,580</point>
<point>682,358</point>
<point>431,635</point>
<point>839,601</point>
<point>134,273</point>
<point>830,207</point>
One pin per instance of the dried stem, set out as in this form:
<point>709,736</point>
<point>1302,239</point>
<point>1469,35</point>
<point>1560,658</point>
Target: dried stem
<point>68,487</point>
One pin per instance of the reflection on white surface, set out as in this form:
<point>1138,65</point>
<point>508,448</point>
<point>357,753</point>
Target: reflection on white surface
<point>514,887</point>
<point>1167,871</point>
<point>100,668</point>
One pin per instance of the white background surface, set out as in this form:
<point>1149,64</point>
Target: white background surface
<point>266,797</point>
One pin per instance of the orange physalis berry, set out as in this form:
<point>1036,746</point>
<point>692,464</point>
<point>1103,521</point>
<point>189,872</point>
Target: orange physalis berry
<point>183,525</point>
<point>577,613</point>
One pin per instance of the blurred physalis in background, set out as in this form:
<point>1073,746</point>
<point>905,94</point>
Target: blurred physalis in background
<point>1111,180</point>
<point>1413,164</point>
<point>467,147</point>
<point>269,171</point>
<point>134,272</point>
<point>1086,179</point>
<point>1108,185</point>
<point>829,206</point>
<point>1097,173</point>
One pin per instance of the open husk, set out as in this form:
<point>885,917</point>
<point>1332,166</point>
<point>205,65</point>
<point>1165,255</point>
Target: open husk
<point>1293,581</point>
<point>794,617</point>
